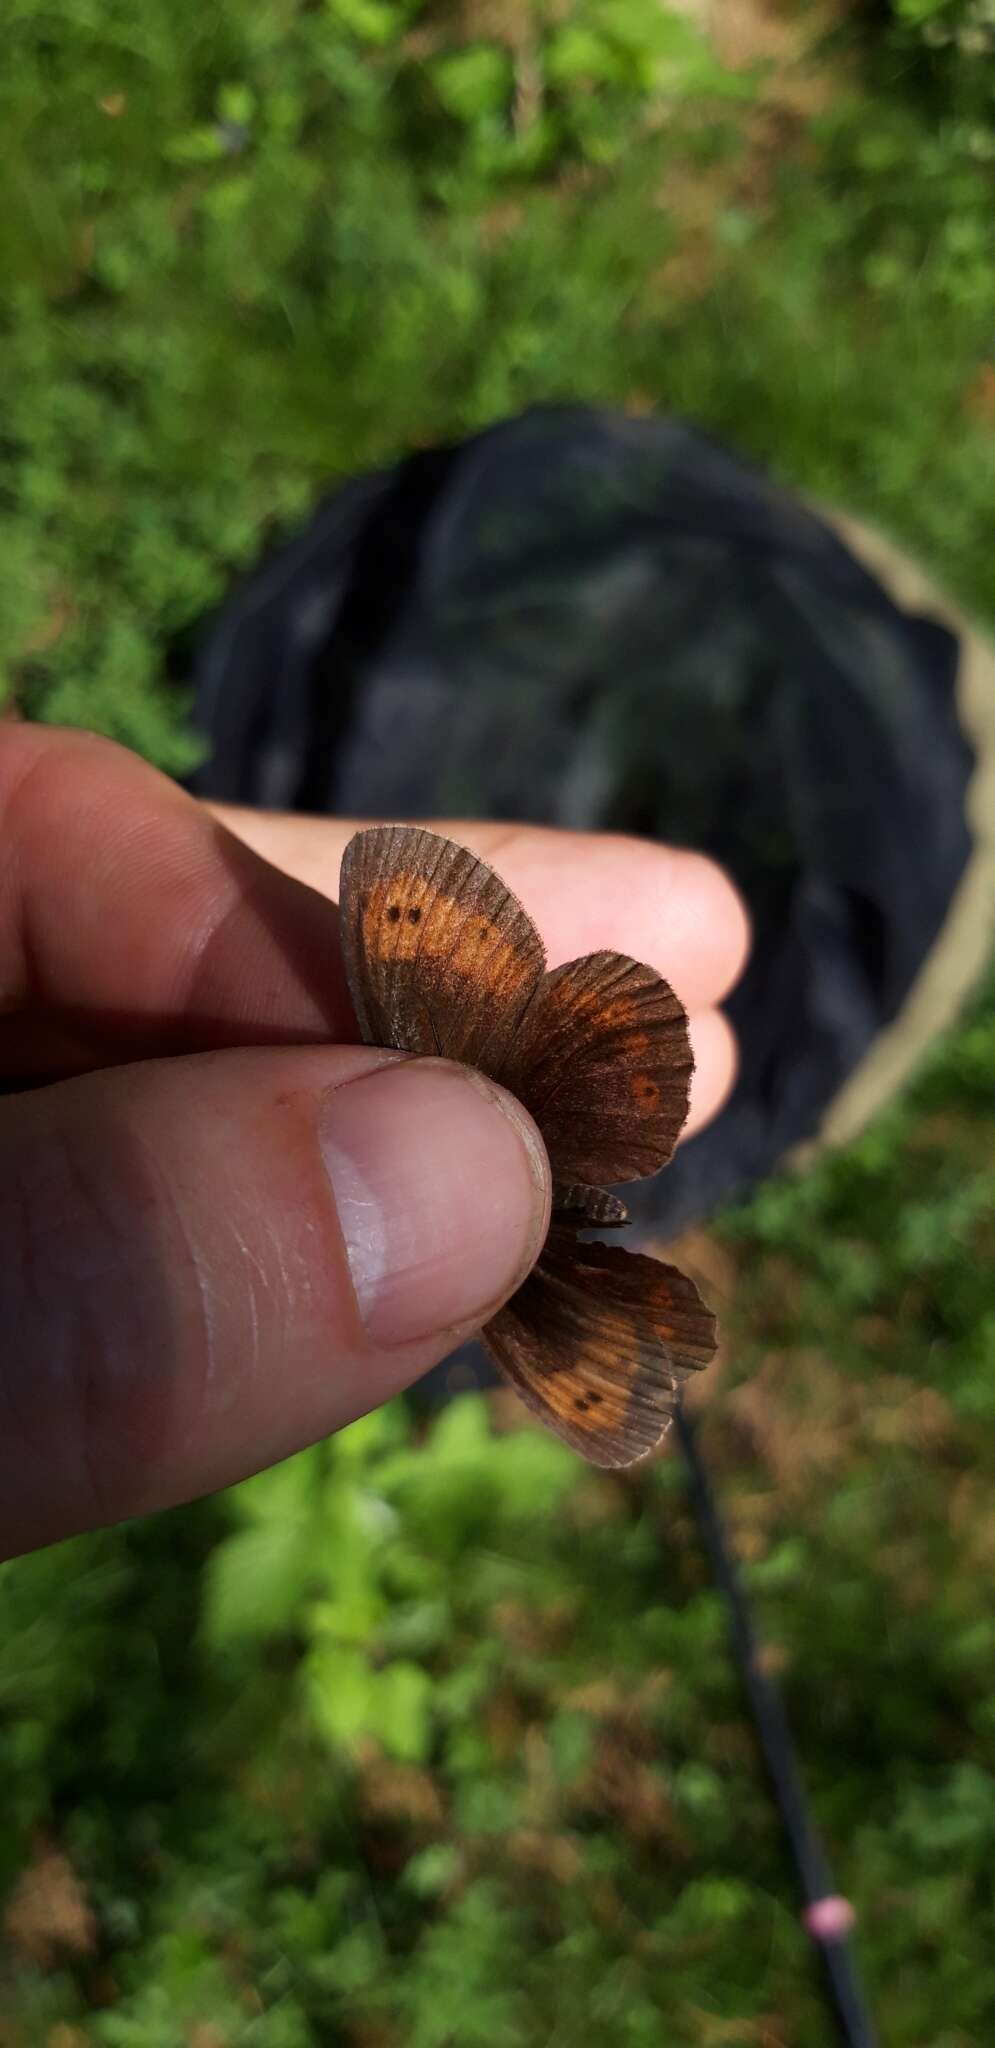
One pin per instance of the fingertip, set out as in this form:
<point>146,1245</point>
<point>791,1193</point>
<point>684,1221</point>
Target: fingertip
<point>716,1063</point>
<point>675,909</point>
<point>706,933</point>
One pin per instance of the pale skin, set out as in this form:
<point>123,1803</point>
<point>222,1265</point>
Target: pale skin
<point>225,1229</point>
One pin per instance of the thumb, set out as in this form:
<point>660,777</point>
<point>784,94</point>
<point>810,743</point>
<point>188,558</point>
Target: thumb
<point>207,1263</point>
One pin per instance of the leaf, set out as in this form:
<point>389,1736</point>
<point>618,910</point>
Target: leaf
<point>367,1439</point>
<point>236,102</point>
<point>579,52</point>
<point>348,1700</point>
<point>473,84</point>
<point>372,21</point>
<point>339,1690</point>
<point>432,1871</point>
<point>291,1490</point>
<point>402,1706</point>
<point>197,146</point>
<point>254,1583</point>
<point>462,1430</point>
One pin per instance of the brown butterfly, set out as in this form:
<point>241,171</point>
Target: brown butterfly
<point>441,959</point>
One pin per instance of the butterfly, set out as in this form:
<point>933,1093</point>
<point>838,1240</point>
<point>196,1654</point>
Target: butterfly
<point>442,960</point>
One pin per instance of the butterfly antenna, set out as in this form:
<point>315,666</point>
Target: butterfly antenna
<point>826,1916</point>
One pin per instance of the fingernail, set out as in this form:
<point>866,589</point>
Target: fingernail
<point>442,1190</point>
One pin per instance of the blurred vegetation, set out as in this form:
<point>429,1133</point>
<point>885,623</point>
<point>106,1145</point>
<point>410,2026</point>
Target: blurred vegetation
<point>431,1737</point>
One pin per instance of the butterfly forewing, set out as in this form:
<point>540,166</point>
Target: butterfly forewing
<point>597,1341</point>
<point>439,955</point>
<point>603,1062</point>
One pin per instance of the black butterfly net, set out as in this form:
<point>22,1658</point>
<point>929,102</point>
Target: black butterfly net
<point>589,620</point>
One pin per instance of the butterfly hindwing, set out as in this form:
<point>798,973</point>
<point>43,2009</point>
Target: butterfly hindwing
<point>603,1063</point>
<point>597,1342</point>
<point>440,957</point>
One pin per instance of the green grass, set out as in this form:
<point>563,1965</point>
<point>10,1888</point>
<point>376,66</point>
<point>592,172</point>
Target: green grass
<point>440,1744</point>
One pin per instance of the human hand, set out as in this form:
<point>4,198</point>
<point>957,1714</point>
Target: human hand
<point>225,1230</point>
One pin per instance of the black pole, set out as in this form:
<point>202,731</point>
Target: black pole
<point>825,1915</point>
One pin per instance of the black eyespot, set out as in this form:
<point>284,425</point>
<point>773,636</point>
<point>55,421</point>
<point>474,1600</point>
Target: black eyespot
<point>393,913</point>
<point>593,1400</point>
<point>580,1401</point>
<point>414,914</point>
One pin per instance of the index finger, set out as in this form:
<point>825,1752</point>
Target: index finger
<point>134,921</point>
<point>673,909</point>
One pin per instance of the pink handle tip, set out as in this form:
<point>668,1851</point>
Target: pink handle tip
<point>828,1919</point>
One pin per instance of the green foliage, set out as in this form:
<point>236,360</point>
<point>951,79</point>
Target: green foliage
<point>436,1736</point>
<point>951,44</point>
<point>207,300</point>
<point>321,1559</point>
<point>429,1735</point>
